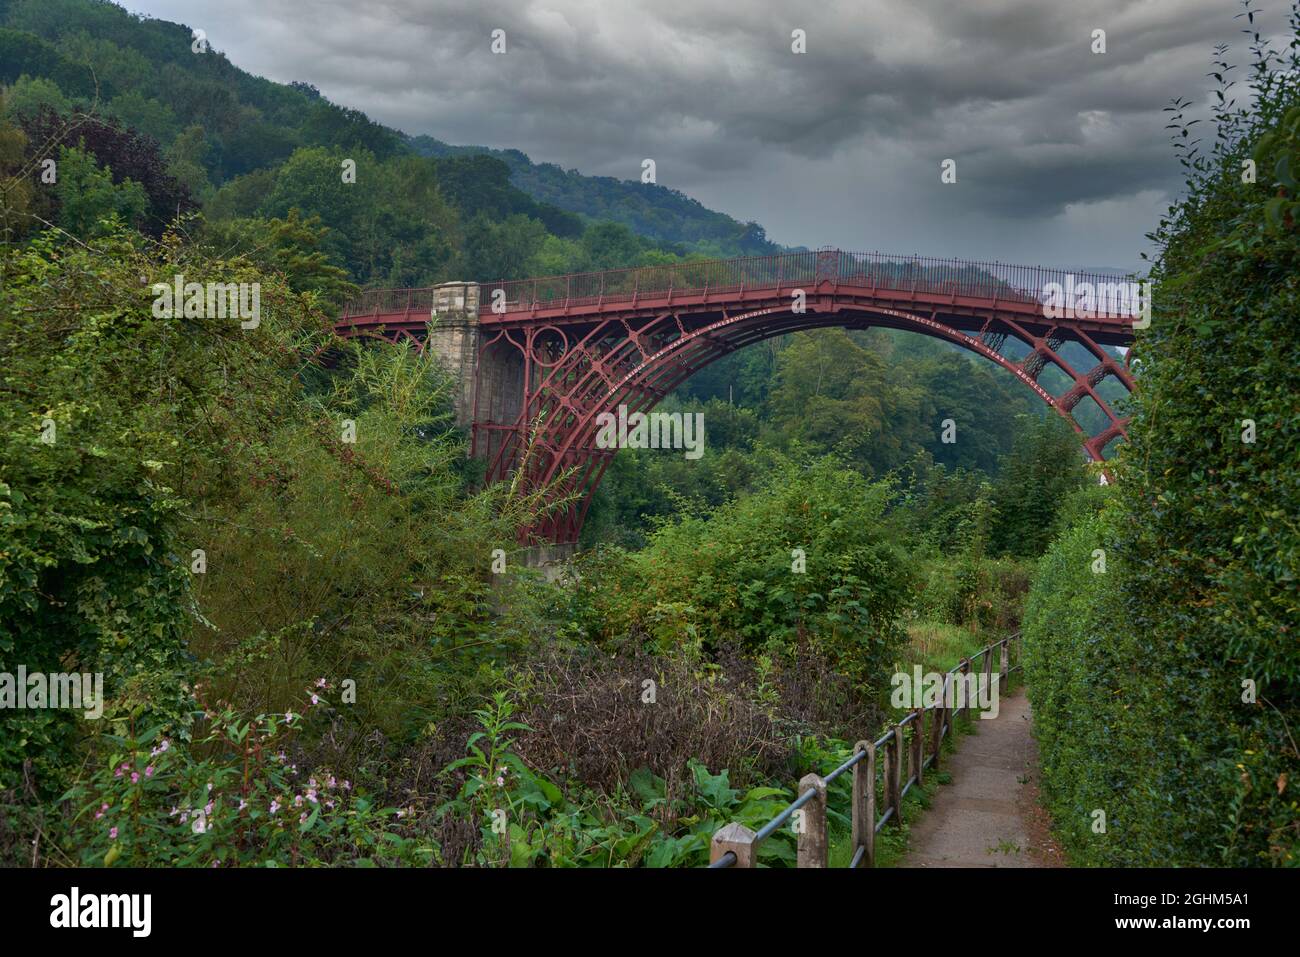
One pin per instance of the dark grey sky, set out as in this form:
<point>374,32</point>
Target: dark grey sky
<point>1061,154</point>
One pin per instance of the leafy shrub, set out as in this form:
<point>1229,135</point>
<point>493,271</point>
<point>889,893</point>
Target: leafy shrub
<point>810,557</point>
<point>231,798</point>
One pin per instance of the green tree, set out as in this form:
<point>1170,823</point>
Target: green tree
<point>185,160</point>
<point>28,96</point>
<point>1044,468</point>
<point>89,200</point>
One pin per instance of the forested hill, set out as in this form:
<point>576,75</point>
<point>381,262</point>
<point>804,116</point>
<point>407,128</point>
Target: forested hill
<point>654,211</point>
<point>191,129</point>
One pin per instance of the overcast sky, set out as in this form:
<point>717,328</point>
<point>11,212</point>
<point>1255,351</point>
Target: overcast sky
<point>1061,154</point>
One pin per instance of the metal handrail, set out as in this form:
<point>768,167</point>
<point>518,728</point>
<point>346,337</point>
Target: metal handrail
<point>729,859</point>
<point>1104,296</point>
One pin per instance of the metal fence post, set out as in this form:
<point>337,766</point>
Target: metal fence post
<point>813,845</point>
<point>1004,665</point>
<point>735,838</point>
<point>864,803</point>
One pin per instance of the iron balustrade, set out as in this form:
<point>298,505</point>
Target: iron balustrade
<point>1094,294</point>
<point>734,845</point>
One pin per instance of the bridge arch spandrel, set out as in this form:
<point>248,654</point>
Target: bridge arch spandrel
<point>642,384</point>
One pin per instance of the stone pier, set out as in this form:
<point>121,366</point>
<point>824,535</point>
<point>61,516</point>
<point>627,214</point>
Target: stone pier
<point>493,378</point>
<point>457,340</point>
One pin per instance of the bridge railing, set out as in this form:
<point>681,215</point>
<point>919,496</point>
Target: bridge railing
<point>877,800</point>
<point>1086,293</point>
<point>376,302</point>
<point>1091,293</point>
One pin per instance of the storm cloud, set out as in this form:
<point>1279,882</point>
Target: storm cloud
<point>1061,153</point>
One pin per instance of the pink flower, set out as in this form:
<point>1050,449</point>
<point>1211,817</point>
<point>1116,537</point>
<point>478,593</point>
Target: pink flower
<point>347,785</point>
<point>100,812</point>
<point>148,771</point>
<point>242,804</point>
<point>315,700</point>
<point>135,777</point>
<point>200,823</point>
<point>320,682</point>
<point>112,834</point>
<point>275,805</point>
<point>330,782</point>
<point>311,795</point>
<point>302,819</point>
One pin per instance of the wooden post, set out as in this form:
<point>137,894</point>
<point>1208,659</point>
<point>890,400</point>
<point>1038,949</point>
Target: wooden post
<point>940,717</point>
<point>1004,666</point>
<point>864,803</point>
<point>812,836</point>
<point>918,745</point>
<point>987,690</point>
<point>965,689</point>
<point>894,774</point>
<point>735,838</point>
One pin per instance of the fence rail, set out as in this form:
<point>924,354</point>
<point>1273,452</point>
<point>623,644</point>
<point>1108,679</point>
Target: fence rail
<point>735,845</point>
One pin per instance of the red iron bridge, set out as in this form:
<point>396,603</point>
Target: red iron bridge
<point>538,360</point>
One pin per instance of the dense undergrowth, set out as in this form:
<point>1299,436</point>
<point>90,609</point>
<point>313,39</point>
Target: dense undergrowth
<point>307,656</point>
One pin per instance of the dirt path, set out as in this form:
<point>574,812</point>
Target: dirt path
<point>988,816</point>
